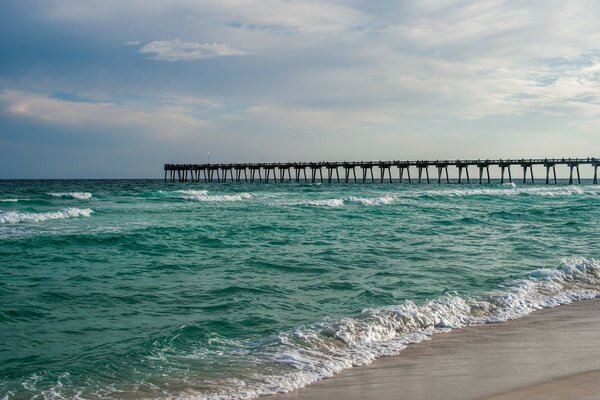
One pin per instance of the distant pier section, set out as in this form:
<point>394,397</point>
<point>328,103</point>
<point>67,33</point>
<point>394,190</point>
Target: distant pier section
<point>363,171</point>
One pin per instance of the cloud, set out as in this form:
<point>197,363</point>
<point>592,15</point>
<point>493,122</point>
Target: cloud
<point>176,50</point>
<point>319,119</point>
<point>159,122</point>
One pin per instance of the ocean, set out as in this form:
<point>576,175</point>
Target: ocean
<point>116,289</point>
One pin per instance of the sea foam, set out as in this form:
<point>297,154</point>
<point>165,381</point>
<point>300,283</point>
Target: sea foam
<point>73,195</point>
<point>318,351</point>
<point>511,189</point>
<point>366,201</point>
<point>218,197</point>
<point>203,196</point>
<point>363,201</point>
<point>13,217</point>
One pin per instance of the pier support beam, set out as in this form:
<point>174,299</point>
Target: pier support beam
<point>421,168</point>
<point>481,168</point>
<point>576,166</point>
<point>347,172</point>
<point>303,170</point>
<point>365,169</point>
<point>525,167</point>
<point>401,169</point>
<point>460,170</point>
<point>384,168</point>
<point>442,168</point>
<point>548,166</point>
<point>330,173</point>
<point>313,174</point>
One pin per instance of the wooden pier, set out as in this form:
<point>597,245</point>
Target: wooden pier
<point>313,171</point>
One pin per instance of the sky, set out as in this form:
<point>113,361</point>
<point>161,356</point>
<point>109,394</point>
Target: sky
<point>116,88</point>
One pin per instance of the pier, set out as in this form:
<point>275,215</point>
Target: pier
<point>329,171</point>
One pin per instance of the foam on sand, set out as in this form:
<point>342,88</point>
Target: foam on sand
<point>13,217</point>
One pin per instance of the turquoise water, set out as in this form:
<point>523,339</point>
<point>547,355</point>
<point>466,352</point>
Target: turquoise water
<point>145,289</point>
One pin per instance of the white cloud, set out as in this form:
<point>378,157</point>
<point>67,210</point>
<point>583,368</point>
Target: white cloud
<point>159,122</point>
<point>348,66</point>
<point>319,119</point>
<point>176,50</point>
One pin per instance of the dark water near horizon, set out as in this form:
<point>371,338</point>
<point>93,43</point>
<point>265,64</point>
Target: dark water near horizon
<point>145,289</point>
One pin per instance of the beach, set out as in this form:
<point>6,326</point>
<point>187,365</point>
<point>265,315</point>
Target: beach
<point>551,354</point>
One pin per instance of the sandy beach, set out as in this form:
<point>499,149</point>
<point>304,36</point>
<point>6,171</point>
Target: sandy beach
<point>551,354</point>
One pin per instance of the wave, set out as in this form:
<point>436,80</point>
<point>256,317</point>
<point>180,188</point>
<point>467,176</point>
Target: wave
<point>200,196</point>
<point>317,203</point>
<point>370,201</point>
<point>8,200</point>
<point>10,217</point>
<point>363,201</point>
<point>321,350</point>
<point>218,197</point>
<point>511,189</point>
<point>73,195</point>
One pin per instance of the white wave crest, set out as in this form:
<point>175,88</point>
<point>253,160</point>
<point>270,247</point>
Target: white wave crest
<point>218,197</point>
<point>319,351</point>
<point>73,195</point>
<point>9,200</point>
<point>10,217</point>
<point>365,201</point>
<point>317,203</point>
<point>192,192</point>
<point>511,189</point>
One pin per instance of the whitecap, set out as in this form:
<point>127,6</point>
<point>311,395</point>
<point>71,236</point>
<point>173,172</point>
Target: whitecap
<point>318,203</point>
<point>366,201</point>
<point>510,190</point>
<point>13,217</point>
<point>217,197</point>
<point>73,195</point>
<point>9,200</point>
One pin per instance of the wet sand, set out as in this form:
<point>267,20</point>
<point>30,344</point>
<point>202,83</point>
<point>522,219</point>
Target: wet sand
<point>551,354</point>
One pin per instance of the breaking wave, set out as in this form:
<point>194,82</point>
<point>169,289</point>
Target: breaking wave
<point>73,195</point>
<point>510,189</point>
<point>10,217</point>
<point>363,201</point>
<point>201,196</point>
<point>218,197</point>
<point>321,350</point>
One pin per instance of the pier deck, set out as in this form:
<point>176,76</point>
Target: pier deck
<point>313,171</point>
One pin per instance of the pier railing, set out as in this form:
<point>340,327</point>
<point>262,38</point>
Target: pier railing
<point>313,171</point>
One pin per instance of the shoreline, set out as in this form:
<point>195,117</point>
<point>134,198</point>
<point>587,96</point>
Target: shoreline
<point>551,353</point>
